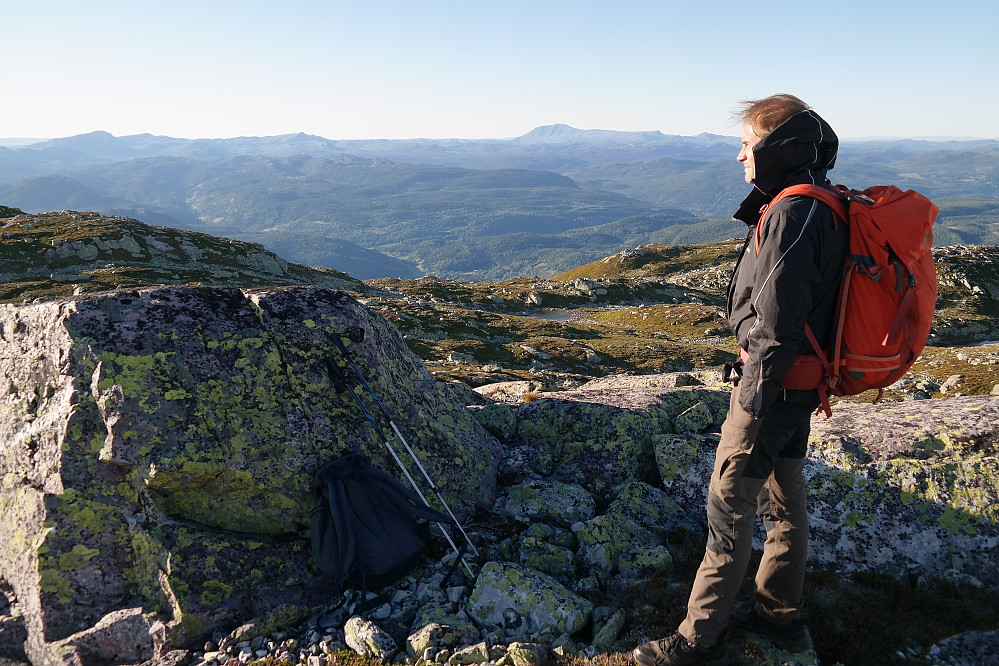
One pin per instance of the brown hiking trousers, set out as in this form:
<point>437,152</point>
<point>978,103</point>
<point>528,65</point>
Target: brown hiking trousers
<point>757,472</point>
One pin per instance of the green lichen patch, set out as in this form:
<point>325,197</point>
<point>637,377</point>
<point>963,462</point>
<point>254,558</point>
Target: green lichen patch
<point>87,545</point>
<point>211,573</point>
<point>647,506</point>
<point>581,442</point>
<point>603,540</point>
<point>550,501</point>
<point>546,605</point>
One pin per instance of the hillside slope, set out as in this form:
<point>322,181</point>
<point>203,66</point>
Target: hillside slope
<point>57,254</point>
<point>655,308</point>
<point>658,308</point>
<point>493,209</point>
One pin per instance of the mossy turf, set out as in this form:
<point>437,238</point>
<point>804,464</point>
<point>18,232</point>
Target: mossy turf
<point>639,340</point>
<point>654,260</point>
<point>648,316</point>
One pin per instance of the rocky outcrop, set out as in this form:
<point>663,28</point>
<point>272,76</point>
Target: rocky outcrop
<point>605,431</point>
<point>157,448</point>
<point>967,295</point>
<point>58,254</point>
<point>908,488</point>
<point>903,488</point>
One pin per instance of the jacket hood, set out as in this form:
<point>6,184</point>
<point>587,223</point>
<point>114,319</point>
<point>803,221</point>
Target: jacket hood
<point>802,149</point>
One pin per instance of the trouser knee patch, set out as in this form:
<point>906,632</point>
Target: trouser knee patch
<point>721,525</point>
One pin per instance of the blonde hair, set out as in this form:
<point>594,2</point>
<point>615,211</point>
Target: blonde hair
<point>765,115</point>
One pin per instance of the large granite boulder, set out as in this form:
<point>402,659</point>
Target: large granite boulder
<point>907,488</point>
<point>157,448</point>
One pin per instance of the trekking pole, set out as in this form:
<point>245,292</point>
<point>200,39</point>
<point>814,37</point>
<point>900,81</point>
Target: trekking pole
<point>357,372</point>
<point>341,382</point>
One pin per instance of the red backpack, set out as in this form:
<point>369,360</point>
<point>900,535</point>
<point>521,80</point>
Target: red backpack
<point>887,296</point>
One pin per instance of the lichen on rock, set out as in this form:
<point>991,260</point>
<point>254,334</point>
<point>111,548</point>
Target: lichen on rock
<point>548,501</point>
<point>603,540</point>
<point>605,431</point>
<point>906,488</point>
<point>526,603</point>
<point>158,447</point>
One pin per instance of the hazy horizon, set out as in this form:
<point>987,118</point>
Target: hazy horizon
<point>27,141</point>
<point>392,69</point>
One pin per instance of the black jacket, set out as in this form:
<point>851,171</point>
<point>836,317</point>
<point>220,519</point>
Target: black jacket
<point>794,275</point>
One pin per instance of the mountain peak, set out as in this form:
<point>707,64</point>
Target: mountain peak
<point>565,134</point>
<point>556,133</point>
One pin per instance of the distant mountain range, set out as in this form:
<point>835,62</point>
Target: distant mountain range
<point>487,209</point>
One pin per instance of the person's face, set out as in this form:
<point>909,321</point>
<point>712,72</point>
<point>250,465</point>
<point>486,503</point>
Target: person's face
<point>749,139</point>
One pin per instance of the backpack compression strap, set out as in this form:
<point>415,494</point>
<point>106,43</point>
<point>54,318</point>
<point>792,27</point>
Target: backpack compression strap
<point>819,384</point>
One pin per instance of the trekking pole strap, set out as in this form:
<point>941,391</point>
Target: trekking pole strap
<point>339,381</point>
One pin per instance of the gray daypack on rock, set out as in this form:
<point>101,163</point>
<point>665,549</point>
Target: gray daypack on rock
<point>367,522</point>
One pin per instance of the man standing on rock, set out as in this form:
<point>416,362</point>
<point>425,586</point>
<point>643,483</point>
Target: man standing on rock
<point>787,275</point>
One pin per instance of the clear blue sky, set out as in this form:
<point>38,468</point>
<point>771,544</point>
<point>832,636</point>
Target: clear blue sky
<point>484,68</point>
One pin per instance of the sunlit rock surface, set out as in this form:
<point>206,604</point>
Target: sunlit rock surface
<point>157,448</point>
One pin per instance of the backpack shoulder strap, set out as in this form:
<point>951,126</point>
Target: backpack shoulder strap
<point>835,198</point>
<point>329,483</point>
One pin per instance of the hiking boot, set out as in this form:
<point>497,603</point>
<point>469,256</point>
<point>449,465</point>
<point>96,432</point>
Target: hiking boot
<point>675,650</point>
<point>791,637</point>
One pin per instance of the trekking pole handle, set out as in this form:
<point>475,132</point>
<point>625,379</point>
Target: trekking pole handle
<point>336,375</point>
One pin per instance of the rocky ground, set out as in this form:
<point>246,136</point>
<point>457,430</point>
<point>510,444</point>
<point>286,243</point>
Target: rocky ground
<point>649,310</point>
